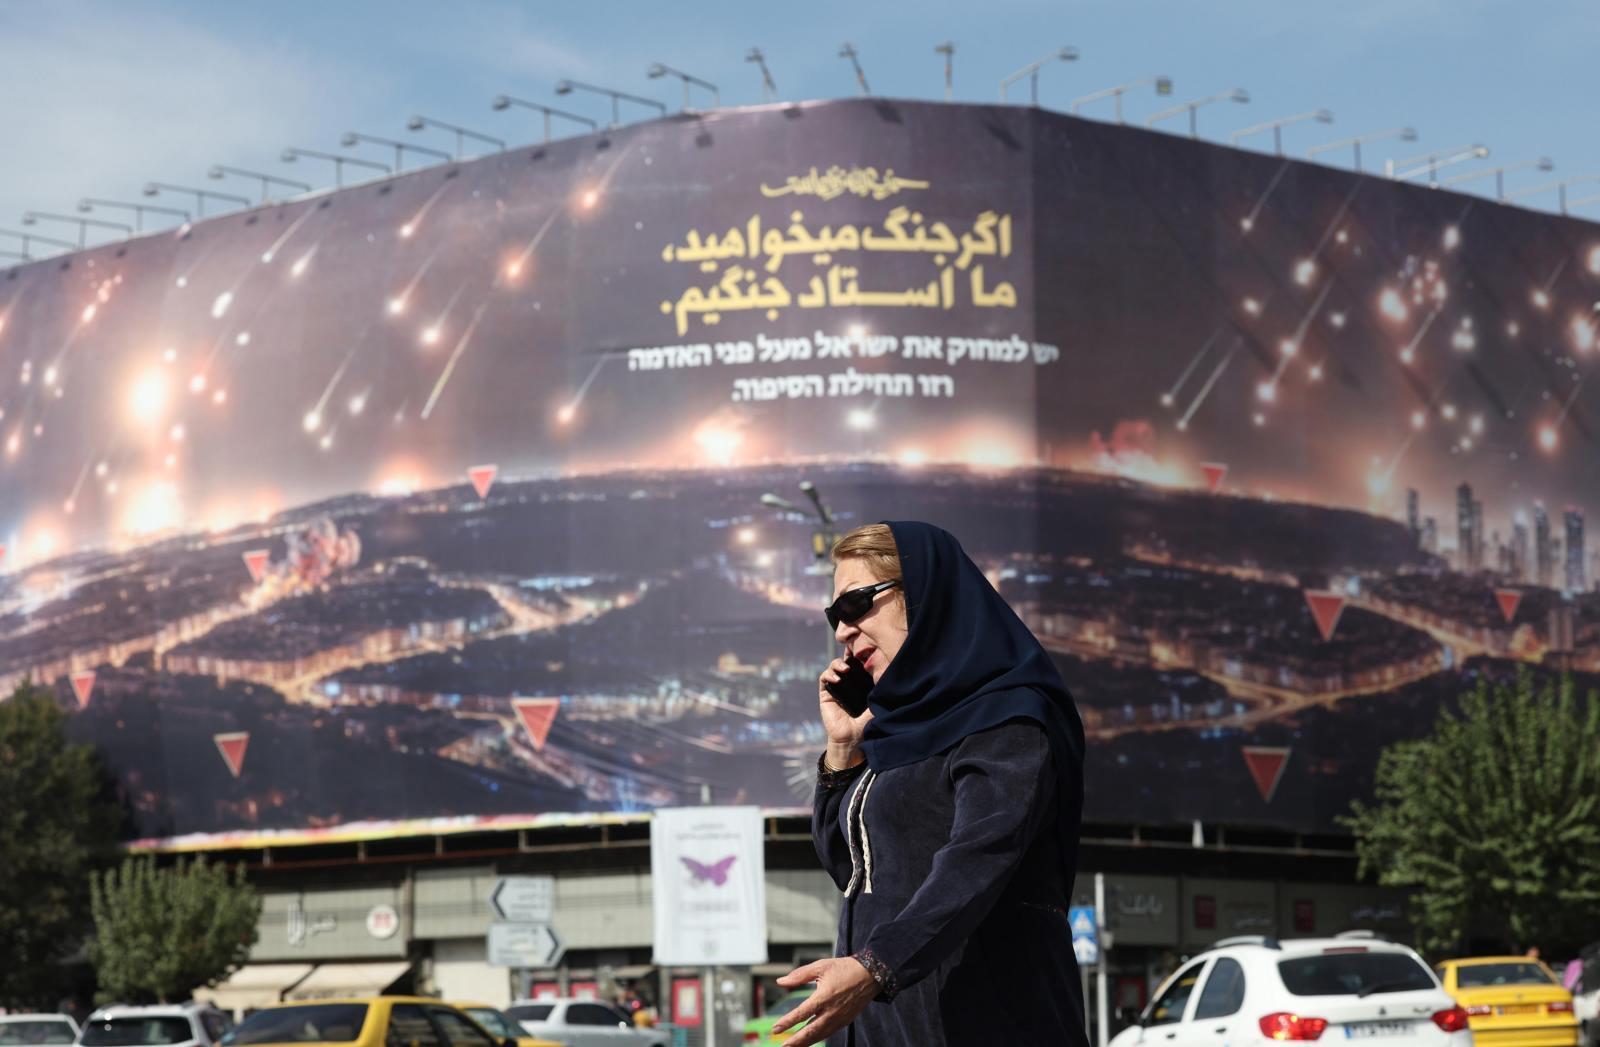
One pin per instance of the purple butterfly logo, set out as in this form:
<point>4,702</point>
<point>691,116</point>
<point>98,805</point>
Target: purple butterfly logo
<point>716,874</point>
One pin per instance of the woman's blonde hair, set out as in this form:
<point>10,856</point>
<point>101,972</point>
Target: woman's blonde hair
<point>874,544</point>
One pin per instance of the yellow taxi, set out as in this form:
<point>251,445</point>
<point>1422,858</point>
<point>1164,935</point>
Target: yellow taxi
<point>501,1024</point>
<point>1511,1001</point>
<point>376,1021</point>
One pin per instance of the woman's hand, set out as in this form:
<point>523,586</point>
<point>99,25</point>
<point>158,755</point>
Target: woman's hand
<point>844,988</point>
<point>843,730</point>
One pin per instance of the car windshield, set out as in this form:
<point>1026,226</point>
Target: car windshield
<point>307,1023</point>
<point>136,1032</point>
<point>1482,975</point>
<point>531,1012</point>
<point>492,1020</point>
<point>1354,974</point>
<point>788,1003</point>
<point>35,1031</point>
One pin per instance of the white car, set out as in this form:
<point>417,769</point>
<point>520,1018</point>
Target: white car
<point>1251,991</point>
<point>583,1023</point>
<point>23,1030</point>
<point>175,1025</point>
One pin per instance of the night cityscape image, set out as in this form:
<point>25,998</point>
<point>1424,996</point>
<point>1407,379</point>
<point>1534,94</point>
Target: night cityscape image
<point>436,503</point>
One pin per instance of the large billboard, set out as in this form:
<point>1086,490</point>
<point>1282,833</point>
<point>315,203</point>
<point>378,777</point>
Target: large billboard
<point>435,503</point>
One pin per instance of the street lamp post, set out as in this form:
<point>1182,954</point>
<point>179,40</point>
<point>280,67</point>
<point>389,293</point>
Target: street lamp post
<point>948,49</point>
<point>220,171</point>
<point>417,123</point>
<point>503,102</point>
<point>29,239</point>
<point>821,539</point>
<point>1163,89</point>
<point>1404,134</point>
<point>88,204</point>
<point>1321,116</point>
<point>200,195</point>
<point>566,87</point>
<point>291,154</point>
<point>1430,163</point>
<point>657,70</point>
<point>769,89</point>
<point>848,50</point>
<point>83,224</point>
<point>1543,163</point>
<point>1561,190</point>
<point>1031,71</point>
<point>1238,94</point>
<point>352,138</point>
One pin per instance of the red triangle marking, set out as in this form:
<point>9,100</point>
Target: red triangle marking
<point>1326,609</point>
<point>482,477</point>
<point>1266,763</point>
<point>1509,600</point>
<point>256,561</point>
<point>2,552</point>
<point>1215,473</point>
<point>232,744</point>
<point>83,687</point>
<point>537,715</point>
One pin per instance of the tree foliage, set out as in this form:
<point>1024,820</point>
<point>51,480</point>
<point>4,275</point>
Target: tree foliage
<point>161,933</point>
<point>1494,820</point>
<point>55,829</point>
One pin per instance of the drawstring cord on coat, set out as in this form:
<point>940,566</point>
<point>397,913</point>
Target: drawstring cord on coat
<point>855,821</point>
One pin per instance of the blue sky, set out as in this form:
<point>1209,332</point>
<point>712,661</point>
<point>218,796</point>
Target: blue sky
<point>98,97</point>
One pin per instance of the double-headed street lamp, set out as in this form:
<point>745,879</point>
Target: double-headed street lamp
<point>1031,71</point>
<point>29,239</point>
<point>848,51</point>
<point>657,71</point>
<point>88,204</point>
<point>83,224</point>
<point>948,49</point>
<point>417,123</point>
<point>1561,190</point>
<point>821,539</point>
<point>769,89</point>
<point>503,102</point>
<point>221,171</point>
<point>1321,116</point>
<point>1543,163</point>
<point>291,154</point>
<point>1163,89</point>
<point>567,87</point>
<point>200,195</point>
<point>351,138</point>
<point>1404,134</point>
<point>1430,163</point>
<point>1238,94</point>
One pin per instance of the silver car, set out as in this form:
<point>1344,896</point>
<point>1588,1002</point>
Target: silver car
<point>583,1023</point>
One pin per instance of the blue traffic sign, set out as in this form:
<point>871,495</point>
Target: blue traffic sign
<point>1085,935</point>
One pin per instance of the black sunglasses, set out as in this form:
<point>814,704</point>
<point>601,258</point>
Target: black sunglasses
<point>854,603</point>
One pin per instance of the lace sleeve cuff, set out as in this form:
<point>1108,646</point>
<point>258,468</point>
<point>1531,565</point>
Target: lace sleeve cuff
<point>827,779</point>
<point>880,972</point>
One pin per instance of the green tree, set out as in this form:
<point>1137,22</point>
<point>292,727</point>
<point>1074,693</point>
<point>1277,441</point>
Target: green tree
<point>161,933</point>
<point>1494,820</point>
<point>55,829</point>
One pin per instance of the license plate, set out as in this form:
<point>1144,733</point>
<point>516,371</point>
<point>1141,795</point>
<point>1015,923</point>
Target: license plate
<point>1372,1030</point>
<point>1519,1008</point>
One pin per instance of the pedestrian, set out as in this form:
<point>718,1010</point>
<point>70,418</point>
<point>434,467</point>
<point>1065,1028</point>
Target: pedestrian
<point>947,812</point>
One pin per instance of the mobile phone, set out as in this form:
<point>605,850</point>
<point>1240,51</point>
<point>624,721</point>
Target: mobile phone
<point>852,688</point>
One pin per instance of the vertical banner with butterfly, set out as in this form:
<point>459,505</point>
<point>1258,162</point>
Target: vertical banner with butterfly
<point>708,878</point>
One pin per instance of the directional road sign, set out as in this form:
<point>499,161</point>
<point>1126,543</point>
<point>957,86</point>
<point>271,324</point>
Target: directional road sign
<point>524,945</point>
<point>524,899</point>
<point>1085,936</point>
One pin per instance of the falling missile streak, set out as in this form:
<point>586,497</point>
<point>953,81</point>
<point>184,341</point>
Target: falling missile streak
<point>83,474</point>
<point>272,252</point>
<point>1205,390</point>
<point>1567,406</point>
<point>298,269</point>
<point>1194,361</point>
<point>430,334</point>
<point>1410,350</point>
<point>1300,332</point>
<point>1249,221</point>
<point>1338,218</point>
<point>409,229</point>
<point>397,303</point>
<point>1555,275</point>
<point>327,390</point>
<point>520,264</point>
<point>450,365</point>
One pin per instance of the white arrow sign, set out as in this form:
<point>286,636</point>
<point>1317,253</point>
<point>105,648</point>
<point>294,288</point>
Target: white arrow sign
<point>524,945</point>
<point>524,899</point>
<point>1087,952</point>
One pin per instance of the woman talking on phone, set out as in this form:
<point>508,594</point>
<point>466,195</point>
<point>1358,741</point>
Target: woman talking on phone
<point>947,810</point>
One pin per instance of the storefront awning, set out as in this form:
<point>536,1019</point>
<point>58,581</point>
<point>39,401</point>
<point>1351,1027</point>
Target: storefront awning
<point>254,985</point>
<point>348,979</point>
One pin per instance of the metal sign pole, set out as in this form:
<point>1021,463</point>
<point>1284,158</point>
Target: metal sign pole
<point>1101,1015</point>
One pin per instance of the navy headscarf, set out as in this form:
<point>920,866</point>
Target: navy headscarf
<point>967,664</point>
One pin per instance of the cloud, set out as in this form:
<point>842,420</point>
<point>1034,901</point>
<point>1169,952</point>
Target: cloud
<point>100,100</point>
